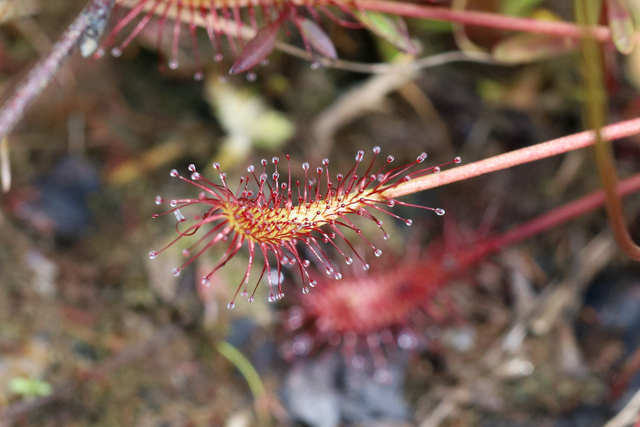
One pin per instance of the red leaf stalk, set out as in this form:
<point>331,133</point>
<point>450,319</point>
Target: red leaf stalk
<point>518,157</point>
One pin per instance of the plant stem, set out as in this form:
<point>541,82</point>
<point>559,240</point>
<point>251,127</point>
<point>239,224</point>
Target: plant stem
<point>596,113</point>
<point>564,213</point>
<point>514,158</point>
<point>84,30</point>
<point>484,19</point>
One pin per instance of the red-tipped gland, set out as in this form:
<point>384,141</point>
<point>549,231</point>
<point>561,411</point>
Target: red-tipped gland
<point>273,225</point>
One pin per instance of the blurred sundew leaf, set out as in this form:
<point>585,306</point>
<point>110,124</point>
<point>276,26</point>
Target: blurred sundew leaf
<point>621,25</point>
<point>391,28</point>
<point>12,9</point>
<point>30,387</point>
<point>248,121</point>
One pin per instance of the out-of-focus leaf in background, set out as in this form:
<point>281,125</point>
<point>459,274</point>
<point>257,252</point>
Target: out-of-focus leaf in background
<point>392,29</point>
<point>621,24</point>
<point>30,387</point>
<point>12,9</point>
<point>526,47</point>
<point>249,123</point>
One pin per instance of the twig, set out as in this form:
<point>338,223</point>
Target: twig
<point>84,32</point>
<point>628,415</point>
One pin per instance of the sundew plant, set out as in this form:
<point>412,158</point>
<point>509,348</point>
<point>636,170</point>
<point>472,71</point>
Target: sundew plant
<point>342,211</point>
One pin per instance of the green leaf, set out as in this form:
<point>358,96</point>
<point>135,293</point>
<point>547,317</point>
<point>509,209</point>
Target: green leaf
<point>519,7</point>
<point>30,387</point>
<point>392,29</point>
<point>248,121</point>
<point>621,25</point>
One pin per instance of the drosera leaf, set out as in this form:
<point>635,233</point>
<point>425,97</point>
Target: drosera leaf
<point>317,38</point>
<point>257,49</point>
<point>392,29</point>
<point>621,25</point>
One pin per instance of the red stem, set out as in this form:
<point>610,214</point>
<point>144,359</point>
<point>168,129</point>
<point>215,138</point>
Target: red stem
<point>515,158</point>
<point>483,19</point>
<point>562,214</point>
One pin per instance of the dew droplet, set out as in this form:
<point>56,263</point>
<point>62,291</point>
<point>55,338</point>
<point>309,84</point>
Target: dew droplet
<point>244,294</point>
<point>280,295</point>
<point>366,267</point>
<point>159,200</point>
<point>173,203</point>
<point>305,290</point>
<point>198,76</point>
<point>272,298</point>
<point>305,166</point>
<point>175,272</point>
<point>205,282</point>
<point>306,263</point>
<point>195,176</point>
<point>391,203</point>
<point>377,252</point>
<point>408,222</point>
<point>218,57</point>
<point>379,223</point>
<point>376,150</point>
<point>382,376</point>
<point>440,211</point>
<point>437,169</point>
<point>192,167</point>
<point>358,362</point>
<point>329,271</point>
<point>390,159</point>
<point>186,253</point>
<point>231,305</point>
<point>179,215</point>
<point>264,62</point>
<point>421,158</point>
<point>313,283</point>
<point>173,173</point>
<point>251,299</point>
<point>173,64</point>
<point>407,340</point>
<point>385,236</point>
<point>314,65</point>
<point>153,255</point>
<point>348,260</point>
<point>116,52</point>
<point>457,160</point>
<point>252,77</point>
<point>338,276</point>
